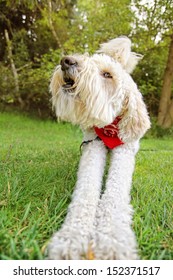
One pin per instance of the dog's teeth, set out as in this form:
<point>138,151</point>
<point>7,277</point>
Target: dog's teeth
<point>67,86</point>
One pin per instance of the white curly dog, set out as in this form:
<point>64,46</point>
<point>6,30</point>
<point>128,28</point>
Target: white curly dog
<point>98,93</point>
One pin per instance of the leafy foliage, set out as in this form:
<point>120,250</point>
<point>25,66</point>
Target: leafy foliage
<point>152,35</point>
<point>41,31</point>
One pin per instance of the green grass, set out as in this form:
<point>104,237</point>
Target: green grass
<point>38,164</point>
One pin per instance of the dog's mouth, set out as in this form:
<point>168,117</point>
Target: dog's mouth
<point>68,83</point>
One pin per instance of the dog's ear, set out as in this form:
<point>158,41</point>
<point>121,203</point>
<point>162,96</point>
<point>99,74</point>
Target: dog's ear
<point>120,50</point>
<point>135,120</point>
<point>56,80</point>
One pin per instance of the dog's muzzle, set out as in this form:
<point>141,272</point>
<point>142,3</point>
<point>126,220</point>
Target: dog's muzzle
<point>68,65</point>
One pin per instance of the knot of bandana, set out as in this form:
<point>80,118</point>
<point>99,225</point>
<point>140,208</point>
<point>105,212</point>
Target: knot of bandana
<point>109,134</point>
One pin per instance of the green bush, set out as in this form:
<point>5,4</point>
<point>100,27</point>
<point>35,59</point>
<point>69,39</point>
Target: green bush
<point>158,132</point>
<point>33,83</point>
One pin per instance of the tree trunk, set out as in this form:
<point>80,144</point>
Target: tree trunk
<point>51,26</point>
<point>13,67</point>
<point>165,115</point>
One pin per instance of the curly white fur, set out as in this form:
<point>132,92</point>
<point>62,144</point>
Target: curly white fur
<point>92,91</point>
<point>113,236</point>
<point>73,239</point>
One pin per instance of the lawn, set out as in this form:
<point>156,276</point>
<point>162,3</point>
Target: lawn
<point>38,164</point>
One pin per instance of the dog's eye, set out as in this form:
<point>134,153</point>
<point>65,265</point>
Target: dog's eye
<point>107,75</point>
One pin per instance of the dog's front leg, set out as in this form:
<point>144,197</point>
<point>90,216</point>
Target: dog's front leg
<point>72,241</point>
<point>114,238</point>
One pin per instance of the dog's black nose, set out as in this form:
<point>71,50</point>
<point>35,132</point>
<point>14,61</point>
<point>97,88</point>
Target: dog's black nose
<point>67,62</point>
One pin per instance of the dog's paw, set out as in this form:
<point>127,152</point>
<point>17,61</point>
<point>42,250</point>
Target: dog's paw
<point>69,244</point>
<point>106,247</point>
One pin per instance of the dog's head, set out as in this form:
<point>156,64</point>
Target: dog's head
<point>94,90</point>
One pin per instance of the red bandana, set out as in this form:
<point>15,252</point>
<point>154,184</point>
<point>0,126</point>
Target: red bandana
<point>108,134</point>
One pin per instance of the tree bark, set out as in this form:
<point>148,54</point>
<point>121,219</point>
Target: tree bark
<point>51,26</point>
<point>13,67</point>
<point>168,121</point>
<point>165,114</point>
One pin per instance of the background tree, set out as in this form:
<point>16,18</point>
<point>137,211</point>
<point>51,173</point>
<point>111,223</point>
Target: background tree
<point>29,26</point>
<point>153,25</point>
<point>165,115</point>
<point>97,21</point>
